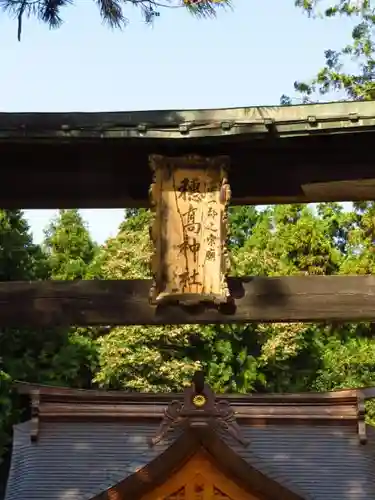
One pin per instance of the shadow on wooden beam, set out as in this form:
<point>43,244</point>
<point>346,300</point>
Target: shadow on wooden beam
<point>259,299</point>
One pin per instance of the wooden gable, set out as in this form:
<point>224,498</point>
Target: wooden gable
<point>199,479</point>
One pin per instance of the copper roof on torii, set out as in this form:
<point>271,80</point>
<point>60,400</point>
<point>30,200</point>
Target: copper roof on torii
<point>334,117</point>
<point>278,154</point>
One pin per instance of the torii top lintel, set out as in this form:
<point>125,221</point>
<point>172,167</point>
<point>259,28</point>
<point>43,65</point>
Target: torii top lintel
<point>278,154</point>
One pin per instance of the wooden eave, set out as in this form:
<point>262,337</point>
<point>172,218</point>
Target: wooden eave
<point>343,407</point>
<point>100,160</point>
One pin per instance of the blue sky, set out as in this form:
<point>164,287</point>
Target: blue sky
<point>246,57</point>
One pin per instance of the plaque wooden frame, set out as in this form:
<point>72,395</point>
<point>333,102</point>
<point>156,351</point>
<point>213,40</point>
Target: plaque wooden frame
<point>190,197</point>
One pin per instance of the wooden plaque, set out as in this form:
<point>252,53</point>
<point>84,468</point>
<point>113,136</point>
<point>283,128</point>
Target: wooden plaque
<point>190,196</point>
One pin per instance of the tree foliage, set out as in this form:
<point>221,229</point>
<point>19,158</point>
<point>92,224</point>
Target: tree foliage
<point>138,357</point>
<point>49,356</point>
<point>112,12</point>
<point>20,259</point>
<point>69,246</point>
<point>283,240</point>
<point>349,70</point>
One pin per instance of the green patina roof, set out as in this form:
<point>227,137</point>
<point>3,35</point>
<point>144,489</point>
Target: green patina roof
<point>296,120</point>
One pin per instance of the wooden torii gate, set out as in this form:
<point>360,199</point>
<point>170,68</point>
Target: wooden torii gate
<point>194,163</point>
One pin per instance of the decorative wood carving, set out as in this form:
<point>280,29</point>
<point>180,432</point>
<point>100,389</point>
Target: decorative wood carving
<point>199,487</point>
<point>199,409</point>
<point>190,197</point>
<point>177,495</point>
<point>219,495</point>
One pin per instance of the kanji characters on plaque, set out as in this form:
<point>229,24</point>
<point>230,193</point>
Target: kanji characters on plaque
<point>189,196</point>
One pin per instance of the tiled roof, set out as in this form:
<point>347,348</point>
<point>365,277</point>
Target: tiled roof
<point>78,460</point>
<point>86,442</point>
<point>325,462</point>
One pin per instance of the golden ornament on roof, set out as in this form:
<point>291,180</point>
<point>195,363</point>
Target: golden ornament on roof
<point>199,400</point>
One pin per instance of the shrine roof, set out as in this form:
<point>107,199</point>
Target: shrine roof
<point>278,154</point>
<point>77,456</point>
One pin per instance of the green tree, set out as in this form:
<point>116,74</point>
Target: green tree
<point>139,357</point>
<point>360,257</point>
<point>296,239</point>
<point>241,220</point>
<point>164,358</point>
<point>291,239</point>
<point>326,241</point>
<point>288,240</point>
<point>71,253</point>
<point>69,246</point>
<point>281,240</point>
<point>347,351</point>
<point>20,259</point>
<point>349,70</point>
<point>111,11</point>
<point>349,355</point>
<point>49,356</point>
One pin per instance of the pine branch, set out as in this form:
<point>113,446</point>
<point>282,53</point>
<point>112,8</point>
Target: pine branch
<point>112,12</point>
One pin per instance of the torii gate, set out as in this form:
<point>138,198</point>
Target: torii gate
<point>201,161</point>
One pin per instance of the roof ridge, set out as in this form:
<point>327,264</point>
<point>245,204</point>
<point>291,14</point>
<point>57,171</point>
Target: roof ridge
<point>28,388</point>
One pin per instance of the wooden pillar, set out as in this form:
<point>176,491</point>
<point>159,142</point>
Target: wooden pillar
<point>190,197</point>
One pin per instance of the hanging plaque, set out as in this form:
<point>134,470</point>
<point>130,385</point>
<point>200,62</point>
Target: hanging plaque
<point>190,197</point>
